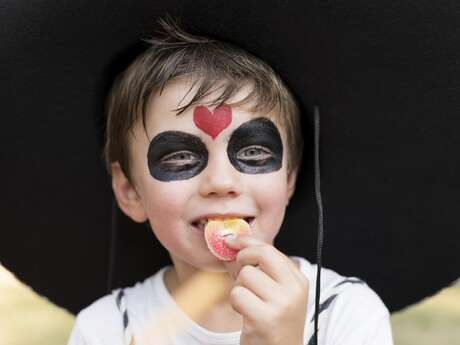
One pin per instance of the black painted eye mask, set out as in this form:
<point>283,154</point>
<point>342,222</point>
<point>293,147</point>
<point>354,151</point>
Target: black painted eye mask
<point>254,148</point>
<point>175,155</point>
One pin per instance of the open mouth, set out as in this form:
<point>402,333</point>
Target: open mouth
<point>201,224</point>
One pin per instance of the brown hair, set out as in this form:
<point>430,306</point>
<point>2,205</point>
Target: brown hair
<point>173,53</point>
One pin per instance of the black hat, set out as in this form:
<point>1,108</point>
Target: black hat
<point>383,76</point>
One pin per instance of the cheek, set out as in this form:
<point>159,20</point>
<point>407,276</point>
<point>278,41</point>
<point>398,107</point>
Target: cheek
<point>165,203</point>
<point>270,191</point>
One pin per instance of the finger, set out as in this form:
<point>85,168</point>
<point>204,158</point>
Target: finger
<point>246,303</point>
<point>231,266</point>
<point>295,267</point>
<point>269,260</point>
<point>259,283</point>
<point>243,241</point>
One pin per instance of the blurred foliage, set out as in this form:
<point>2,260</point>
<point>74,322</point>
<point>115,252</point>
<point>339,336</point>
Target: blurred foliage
<point>29,319</point>
<point>435,320</point>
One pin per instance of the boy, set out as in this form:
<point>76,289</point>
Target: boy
<point>201,130</point>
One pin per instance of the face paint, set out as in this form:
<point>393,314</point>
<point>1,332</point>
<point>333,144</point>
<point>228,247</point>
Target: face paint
<point>256,147</point>
<point>175,155</point>
<point>212,123</point>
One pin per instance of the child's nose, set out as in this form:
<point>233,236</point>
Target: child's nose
<point>220,178</point>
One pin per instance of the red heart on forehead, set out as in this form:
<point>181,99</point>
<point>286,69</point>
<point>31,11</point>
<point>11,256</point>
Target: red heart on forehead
<point>212,123</point>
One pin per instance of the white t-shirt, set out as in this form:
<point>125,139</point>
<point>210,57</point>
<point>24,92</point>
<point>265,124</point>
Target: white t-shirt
<point>351,314</point>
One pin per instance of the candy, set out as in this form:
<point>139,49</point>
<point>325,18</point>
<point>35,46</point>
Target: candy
<point>216,231</point>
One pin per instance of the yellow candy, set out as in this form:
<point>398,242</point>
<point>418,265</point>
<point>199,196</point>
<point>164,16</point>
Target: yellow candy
<point>217,229</point>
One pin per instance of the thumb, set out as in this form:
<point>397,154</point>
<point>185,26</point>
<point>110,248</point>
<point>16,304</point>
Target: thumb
<point>231,268</point>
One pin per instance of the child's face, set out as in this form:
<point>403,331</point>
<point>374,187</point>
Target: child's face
<point>198,163</point>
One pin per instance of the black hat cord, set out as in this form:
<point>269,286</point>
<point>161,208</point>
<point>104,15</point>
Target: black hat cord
<point>320,222</point>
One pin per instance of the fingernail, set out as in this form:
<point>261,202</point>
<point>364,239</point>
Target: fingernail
<point>229,238</point>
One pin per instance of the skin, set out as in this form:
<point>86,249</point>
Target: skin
<point>269,294</point>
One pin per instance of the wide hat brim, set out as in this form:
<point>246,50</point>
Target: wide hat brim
<point>385,76</point>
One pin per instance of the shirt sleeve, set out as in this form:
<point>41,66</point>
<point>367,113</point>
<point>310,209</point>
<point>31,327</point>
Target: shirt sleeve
<point>98,324</point>
<point>76,336</point>
<point>358,318</point>
<point>382,334</point>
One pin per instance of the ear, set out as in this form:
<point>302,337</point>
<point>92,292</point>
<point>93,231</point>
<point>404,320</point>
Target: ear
<point>127,197</point>
<point>291,180</point>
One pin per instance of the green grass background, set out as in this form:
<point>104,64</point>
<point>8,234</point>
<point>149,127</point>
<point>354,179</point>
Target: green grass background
<point>29,319</point>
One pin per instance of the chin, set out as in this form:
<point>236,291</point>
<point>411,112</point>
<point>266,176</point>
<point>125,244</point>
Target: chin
<point>216,269</point>
<point>215,266</point>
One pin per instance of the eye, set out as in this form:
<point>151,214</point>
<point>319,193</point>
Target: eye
<point>254,153</point>
<point>180,158</point>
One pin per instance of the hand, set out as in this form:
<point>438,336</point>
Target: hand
<point>270,293</point>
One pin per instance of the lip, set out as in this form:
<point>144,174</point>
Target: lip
<point>194,223</point>
<point>221,216</point>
